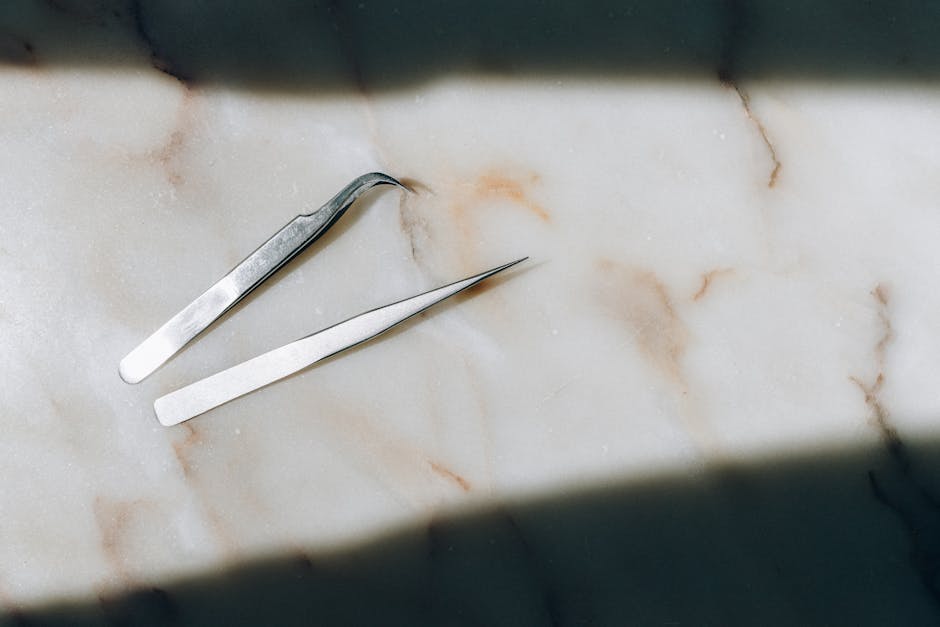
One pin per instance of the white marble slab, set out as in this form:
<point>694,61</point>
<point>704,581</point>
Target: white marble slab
<point>720,275</point>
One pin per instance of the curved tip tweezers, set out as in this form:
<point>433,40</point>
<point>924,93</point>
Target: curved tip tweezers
<point>220,388</point>
<point>286,244</point>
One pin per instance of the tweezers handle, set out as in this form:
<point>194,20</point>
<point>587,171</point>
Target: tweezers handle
<point>227,385</point>
<point>215,301</point>
<point>283,246</point>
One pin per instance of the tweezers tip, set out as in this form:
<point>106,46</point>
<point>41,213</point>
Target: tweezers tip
<point>402,184</point>
<point>506,266</point>
<point>380,178</point>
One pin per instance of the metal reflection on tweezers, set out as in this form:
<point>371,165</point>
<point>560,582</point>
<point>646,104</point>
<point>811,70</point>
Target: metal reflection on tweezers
<point>220,388</point>
<point>283,246</point>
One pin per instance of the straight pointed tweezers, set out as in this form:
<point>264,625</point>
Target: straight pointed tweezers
<point>220,388</point>
<point>283,246</point>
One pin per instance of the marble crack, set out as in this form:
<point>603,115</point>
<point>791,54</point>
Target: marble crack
<point>412,223</point>
<point>872,391</point>
<point>762,131</point>
<point>450,475</point>
<point>732,41</point>
<point>158,58</point>
<point>408,225</point>
<point>550,598</point>
<point>919,512</point>
<point>899,488</point>
<point>707,280</point>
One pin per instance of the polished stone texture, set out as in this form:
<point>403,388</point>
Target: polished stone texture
<point>710,397</point>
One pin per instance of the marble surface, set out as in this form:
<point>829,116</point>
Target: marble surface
<point>731,284</point>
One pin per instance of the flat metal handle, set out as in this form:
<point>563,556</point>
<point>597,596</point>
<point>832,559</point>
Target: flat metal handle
<point>222,387</point>
<point>251,272</point>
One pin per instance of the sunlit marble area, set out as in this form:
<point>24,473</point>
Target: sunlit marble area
<point>710,396</point>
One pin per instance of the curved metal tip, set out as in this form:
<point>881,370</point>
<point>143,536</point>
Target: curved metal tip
<point>378,178</point>
<point>348,195</point>
<point>368,181</point>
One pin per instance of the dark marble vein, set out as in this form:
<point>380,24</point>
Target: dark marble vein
<point>737,28</point>
<point>539,573</point>
<point>731,40</point>
<point>159,58</point>
<point>899,487</point>
<point>762,131</point>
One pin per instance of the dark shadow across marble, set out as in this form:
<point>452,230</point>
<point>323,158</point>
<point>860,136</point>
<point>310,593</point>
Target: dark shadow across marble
<point>341,45</point>
<point>842,537</point>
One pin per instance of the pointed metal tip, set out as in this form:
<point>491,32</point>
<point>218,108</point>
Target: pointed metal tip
<point>506,266</point>
<point>222,387</point>
<point>473,280</point>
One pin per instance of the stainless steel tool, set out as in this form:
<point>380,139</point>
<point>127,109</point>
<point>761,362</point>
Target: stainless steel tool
<point>283,246</point>
<point>200,397</point>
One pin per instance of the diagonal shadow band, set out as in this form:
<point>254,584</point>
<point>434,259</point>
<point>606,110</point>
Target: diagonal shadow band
<point>343,45</point>
<point>805,540</point>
